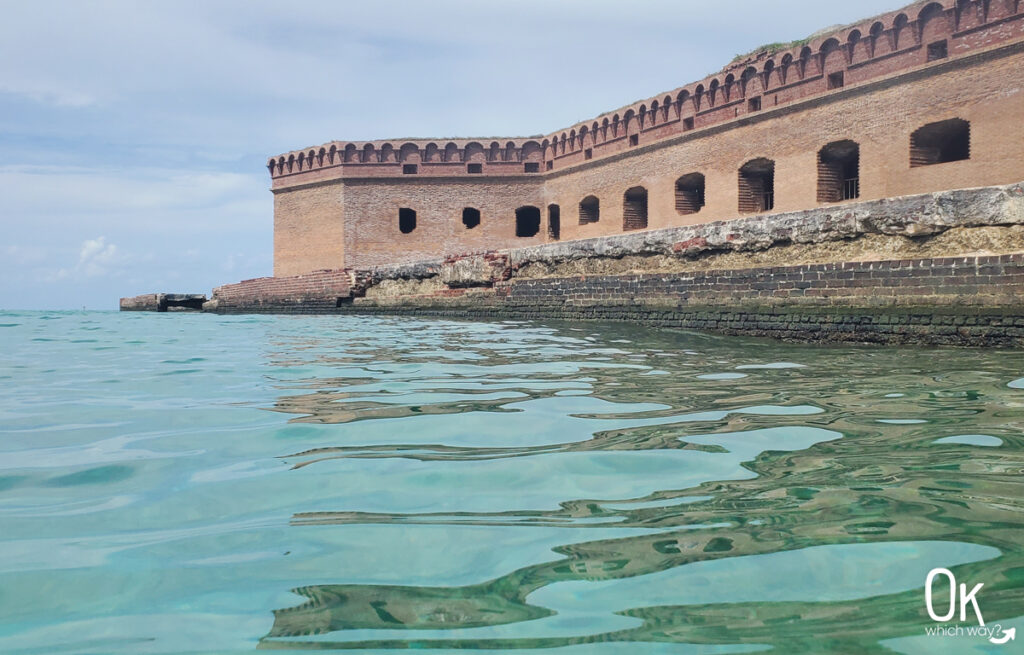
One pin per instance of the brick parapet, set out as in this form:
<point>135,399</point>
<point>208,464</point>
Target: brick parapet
<point>884,46</point>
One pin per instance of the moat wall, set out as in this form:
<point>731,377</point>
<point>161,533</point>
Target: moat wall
<point>942,268</point>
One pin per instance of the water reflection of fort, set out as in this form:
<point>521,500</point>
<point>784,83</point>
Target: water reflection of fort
<point>878,486</point>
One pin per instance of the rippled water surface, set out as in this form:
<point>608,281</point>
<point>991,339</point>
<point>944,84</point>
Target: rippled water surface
<point>177,483</point>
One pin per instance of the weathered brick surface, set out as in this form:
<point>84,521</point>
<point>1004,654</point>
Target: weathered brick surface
<point>336,206</point>
<point>312,293</point>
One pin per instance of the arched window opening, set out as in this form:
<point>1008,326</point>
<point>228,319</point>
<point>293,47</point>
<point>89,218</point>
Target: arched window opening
<point>967,14</point>
<point>634,209</point>
<point>554,222</point>
<point>690,193</point>
<point>932,23</point>
<point>803,67</point>
<point>527,221</point>
<point>852,40</point>
<point>406,220</point>
<point>899,28</point>
<point>941,142</point>
<point>470,217</point>
<point>787,63</point>
<point>590,210</point>
<point>757,186</point>
<point>839,171</point>
<point>746,87</point>
<point>876,33</point>
<point>451,153</point>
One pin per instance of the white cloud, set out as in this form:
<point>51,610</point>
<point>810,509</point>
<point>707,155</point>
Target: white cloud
<point>68,190</point>
<point>96,256</point>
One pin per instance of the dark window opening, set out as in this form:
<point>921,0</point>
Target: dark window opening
<point>938,143</point>
<point>634,139</point>
<point>757,186</point>
<point>839,172</point>
<point>549,166</point>
<point>406,220</point>
<point>532,167</point>
<point>688,123</point>
<point>835,80</point>
<point>754,104</point>
<point>474,168</point>
<point>634,209</point>
<point>554,222</point>
<point>937,50</point>
<point>527,221</point>
<point>588,154</point>
<point>470,217</point>
<point>690,193</point>
<point>342,300</point>
<point>409,169</point>
<point>590,210</point>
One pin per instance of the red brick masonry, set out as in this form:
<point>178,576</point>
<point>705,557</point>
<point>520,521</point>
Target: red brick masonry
<point>316,292</point>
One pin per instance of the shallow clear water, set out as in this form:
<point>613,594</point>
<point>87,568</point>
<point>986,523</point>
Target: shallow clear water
<point>175,483</point>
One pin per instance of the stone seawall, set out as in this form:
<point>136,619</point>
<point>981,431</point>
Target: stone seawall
<point>955,301</point>
<point>876,271</point>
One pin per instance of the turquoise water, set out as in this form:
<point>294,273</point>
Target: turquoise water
<point>178,483</point>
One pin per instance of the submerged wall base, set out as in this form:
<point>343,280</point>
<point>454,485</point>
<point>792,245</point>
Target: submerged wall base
<point>906,325</point>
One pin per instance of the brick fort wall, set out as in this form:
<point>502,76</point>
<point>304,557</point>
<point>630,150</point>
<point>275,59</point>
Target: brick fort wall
<point>880,95</point>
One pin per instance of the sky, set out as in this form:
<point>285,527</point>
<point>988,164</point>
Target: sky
<point>134,134</point>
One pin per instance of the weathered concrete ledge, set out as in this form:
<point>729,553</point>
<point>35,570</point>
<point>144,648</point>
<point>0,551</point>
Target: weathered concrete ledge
<point>163,302</point>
